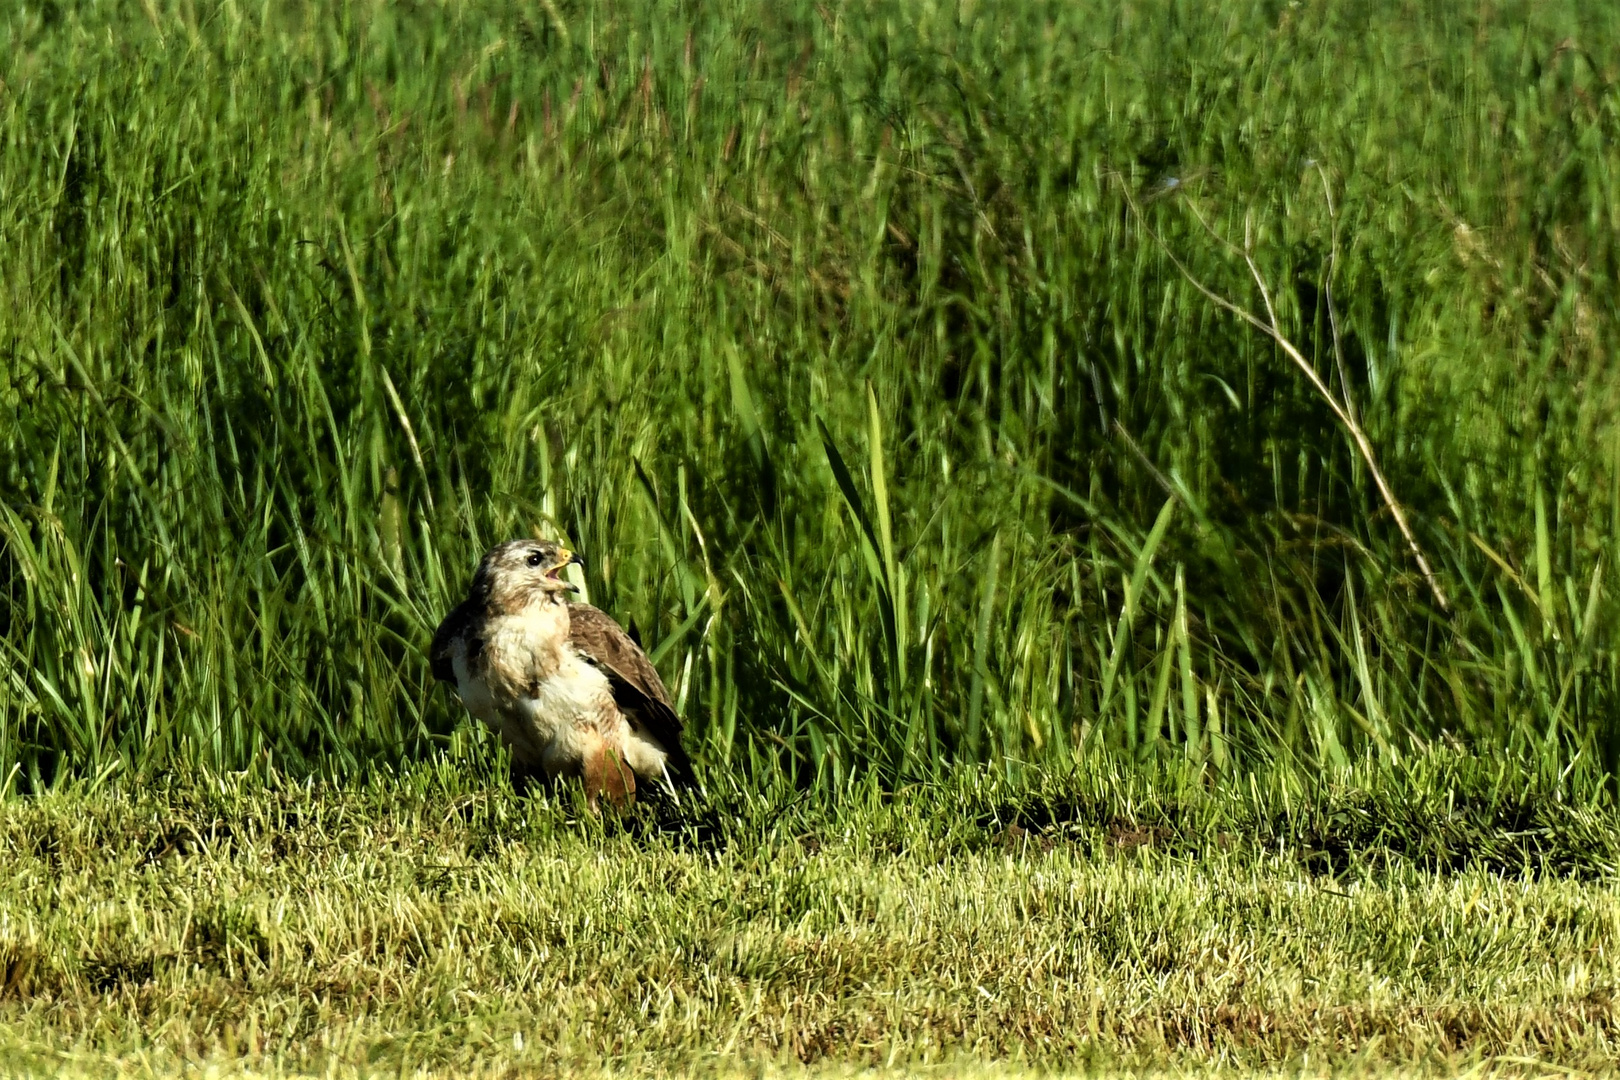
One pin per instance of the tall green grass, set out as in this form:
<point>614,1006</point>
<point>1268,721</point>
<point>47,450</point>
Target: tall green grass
<point>825,331</point>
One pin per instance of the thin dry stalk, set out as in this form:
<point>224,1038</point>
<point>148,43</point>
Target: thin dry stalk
<point>1343,410</point>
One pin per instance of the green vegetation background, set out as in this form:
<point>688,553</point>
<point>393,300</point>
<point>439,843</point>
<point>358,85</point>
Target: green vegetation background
<point>828,333</point>
<point>825,332</point>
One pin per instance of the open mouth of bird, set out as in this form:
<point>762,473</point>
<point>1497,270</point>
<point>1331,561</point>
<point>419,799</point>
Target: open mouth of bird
<point>565,559</point>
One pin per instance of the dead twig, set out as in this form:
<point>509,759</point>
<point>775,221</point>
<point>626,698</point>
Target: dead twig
<point>1343,410</point>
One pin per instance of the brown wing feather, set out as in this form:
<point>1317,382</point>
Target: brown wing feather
<point>637,689</point>
<point>454,626</point>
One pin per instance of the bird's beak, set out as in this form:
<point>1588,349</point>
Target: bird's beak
<point>565,559</point>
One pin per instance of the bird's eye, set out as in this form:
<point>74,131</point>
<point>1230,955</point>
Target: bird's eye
<point>534,558</point>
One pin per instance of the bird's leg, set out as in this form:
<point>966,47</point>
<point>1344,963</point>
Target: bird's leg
<point>606,773</point>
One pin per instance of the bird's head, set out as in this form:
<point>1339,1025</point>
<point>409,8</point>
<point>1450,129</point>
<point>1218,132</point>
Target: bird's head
<point>521,572</point>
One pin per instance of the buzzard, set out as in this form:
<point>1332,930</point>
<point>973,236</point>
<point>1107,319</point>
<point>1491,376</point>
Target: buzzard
<point>562,684</point>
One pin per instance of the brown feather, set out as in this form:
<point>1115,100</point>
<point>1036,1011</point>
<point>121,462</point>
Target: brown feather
<point>457,624</point>
<point>605,773</point>
<point>637,689</point>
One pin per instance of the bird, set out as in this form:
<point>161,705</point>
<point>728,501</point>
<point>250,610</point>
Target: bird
<point>568,691</point>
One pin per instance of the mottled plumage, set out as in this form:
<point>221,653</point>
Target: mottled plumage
<point>565,687</point>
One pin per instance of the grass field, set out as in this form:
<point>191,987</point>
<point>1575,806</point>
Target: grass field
<point>424,923</point>
<point>1083,675</point>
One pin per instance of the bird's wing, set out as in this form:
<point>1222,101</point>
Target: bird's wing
<point>637,689</point>
<point>454,626</point>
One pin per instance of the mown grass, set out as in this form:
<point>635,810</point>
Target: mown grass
<point>428,923</point>
<point>827,333</point>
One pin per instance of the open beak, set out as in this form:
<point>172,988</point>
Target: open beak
<point>565,559</point>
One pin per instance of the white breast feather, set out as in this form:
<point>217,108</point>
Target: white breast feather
<point>550,725</point>
<point>564,710</point>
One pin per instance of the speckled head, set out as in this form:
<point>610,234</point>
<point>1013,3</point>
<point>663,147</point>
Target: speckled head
<point>522,572</point>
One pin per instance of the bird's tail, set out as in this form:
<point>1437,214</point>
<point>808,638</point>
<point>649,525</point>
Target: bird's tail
<point>679,775</point>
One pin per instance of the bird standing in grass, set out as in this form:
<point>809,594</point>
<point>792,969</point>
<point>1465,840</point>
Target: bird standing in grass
<point>562,683</point>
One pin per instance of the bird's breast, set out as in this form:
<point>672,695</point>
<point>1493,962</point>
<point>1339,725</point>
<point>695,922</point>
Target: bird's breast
<point>529,684</point>
<point>574,696</point>
<point>495,661</point>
